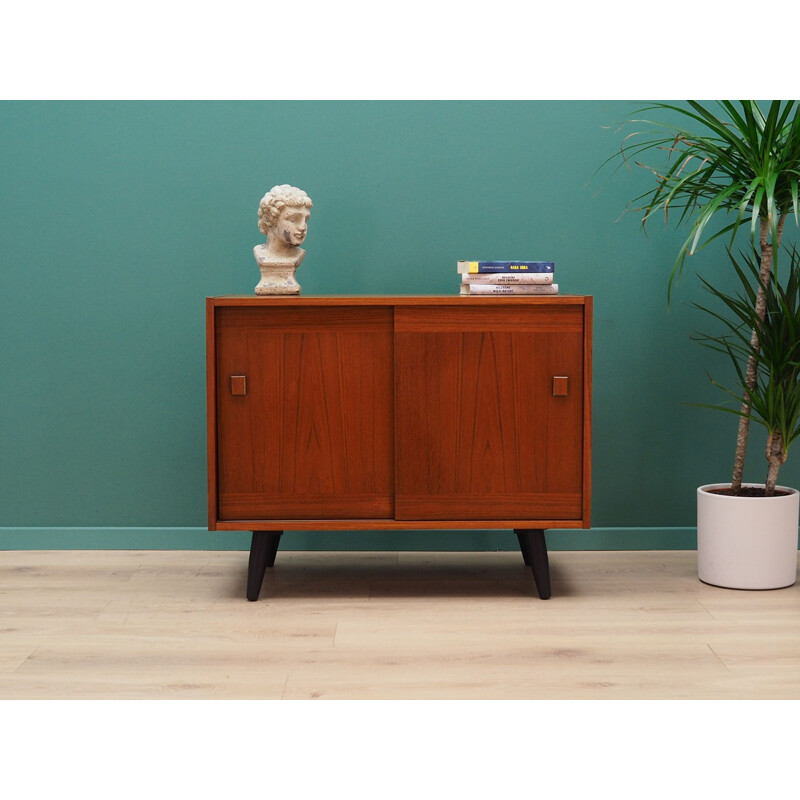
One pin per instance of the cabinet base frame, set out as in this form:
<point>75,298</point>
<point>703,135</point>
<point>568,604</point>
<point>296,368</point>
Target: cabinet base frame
<point>532,543</point>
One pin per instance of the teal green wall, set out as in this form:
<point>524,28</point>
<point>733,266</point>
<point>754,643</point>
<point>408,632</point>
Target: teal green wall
<point>117,219</point>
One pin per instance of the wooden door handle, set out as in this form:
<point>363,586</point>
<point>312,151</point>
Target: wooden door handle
<point>560,386</point>
<point>238,384</point>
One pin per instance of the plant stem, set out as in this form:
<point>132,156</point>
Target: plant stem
<point>752,361</point>
<point>776,456</point>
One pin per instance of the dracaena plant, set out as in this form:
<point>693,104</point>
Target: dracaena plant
<point>773,399</point>
<point>736,161</point>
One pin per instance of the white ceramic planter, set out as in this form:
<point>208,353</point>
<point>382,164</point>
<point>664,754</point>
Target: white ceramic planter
<point>747,542</point>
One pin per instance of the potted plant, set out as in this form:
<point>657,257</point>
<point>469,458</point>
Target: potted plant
<point>748,540</point>
<point>742,162</point>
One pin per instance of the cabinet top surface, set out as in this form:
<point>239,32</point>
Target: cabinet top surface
<point>397,300</point>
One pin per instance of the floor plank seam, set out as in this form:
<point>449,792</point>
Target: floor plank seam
<point>26,659</point>
<point>705,609</point>
<point>727,668</point>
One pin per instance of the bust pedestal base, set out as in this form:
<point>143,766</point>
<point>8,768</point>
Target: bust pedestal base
<point>277,279</point>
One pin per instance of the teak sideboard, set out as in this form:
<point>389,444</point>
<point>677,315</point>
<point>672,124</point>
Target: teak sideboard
<point>376,413</point>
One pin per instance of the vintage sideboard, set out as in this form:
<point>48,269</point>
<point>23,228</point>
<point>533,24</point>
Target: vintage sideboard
<point>376,413</point>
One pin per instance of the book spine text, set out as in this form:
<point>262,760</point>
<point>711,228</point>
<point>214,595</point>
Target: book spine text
<point>473,267</point>
<point>513,288</point>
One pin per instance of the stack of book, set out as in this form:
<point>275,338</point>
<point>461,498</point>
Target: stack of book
<point>507,277</point>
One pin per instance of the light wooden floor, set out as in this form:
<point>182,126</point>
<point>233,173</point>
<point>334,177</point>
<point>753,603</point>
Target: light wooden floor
<point>150,624</point>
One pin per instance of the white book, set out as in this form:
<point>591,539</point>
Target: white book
<point>496,288</point>
<point>508,277</point>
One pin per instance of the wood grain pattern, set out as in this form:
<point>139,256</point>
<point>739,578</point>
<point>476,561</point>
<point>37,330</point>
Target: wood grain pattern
<point>558,317</point>
<point>382,524</point>
<point>372,412</point>
<point>332,301</point>
<point>588,349</point>
<point>313,436</point>
<point>479,433</point>
<point>161,625</point>
<point>306,318</point>
<point>211,412</point>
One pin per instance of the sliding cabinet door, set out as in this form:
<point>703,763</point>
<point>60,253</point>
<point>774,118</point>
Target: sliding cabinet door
<point>489,412</point>
<point>304,412</point>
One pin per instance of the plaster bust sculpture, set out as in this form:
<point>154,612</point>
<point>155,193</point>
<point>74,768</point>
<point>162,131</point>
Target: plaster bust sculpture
<point>283,218</point>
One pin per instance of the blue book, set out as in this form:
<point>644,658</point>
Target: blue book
<point>474,267</point>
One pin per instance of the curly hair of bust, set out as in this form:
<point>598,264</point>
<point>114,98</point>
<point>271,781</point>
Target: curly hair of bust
<point>275,200</point>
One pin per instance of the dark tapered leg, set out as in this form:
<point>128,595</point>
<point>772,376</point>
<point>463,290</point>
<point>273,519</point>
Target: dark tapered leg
<point>274,541</point>
<point>523,547</point>
<point>534,546</point>
<point>263,548</point>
